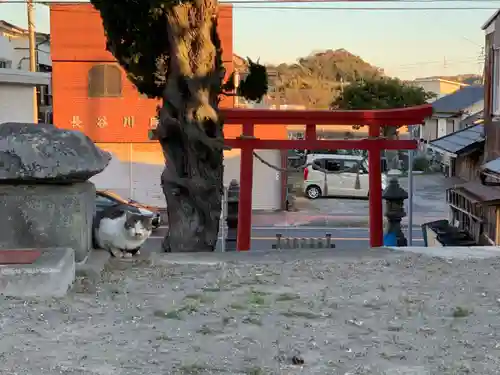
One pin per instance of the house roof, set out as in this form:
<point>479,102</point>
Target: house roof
<point>459,100</point>
<point>475,119</point>
<point>493,166</point>
<point>491,19</point>
<point>21,77</point>
<point>19,30</point>
<point>438,79</point>
<point>461,141</point>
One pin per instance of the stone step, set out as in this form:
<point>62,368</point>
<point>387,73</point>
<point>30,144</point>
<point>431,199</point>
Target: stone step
<point>50,275</point>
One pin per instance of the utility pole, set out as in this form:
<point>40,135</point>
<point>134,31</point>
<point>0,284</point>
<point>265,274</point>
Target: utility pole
<point>32,53</point>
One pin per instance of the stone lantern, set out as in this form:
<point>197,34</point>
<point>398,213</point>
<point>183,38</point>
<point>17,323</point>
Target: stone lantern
<point>233,201</point>
<point>395,196</point>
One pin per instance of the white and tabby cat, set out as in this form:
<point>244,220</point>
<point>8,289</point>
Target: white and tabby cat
<point>121,232</point>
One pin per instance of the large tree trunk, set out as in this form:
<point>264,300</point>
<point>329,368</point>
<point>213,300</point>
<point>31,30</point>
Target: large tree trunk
<point>190,131</point>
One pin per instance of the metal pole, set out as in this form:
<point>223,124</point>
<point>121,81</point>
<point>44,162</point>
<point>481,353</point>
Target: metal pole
<point>224,218</point>
<point>410,191</point>
<point>32,53</point>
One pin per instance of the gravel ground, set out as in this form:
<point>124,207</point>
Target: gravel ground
<point>387,314</point>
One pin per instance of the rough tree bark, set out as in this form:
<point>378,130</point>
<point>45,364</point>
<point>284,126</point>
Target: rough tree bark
<point>190,130</point>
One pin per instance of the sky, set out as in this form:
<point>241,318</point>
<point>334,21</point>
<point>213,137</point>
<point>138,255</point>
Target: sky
<point>406,43</point>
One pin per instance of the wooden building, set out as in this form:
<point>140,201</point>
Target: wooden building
<point>474,192</point>
<point>92,94</point>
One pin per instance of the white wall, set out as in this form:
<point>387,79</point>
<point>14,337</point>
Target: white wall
<point>135,173</point>
<point>21,53</point>
<point>17,50</point>
<point>6,50</point>
<point>16,103</point>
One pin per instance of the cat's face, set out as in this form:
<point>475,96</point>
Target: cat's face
<point>138,226</point>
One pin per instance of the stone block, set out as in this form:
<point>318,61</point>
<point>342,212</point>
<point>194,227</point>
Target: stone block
<point>45,153</point>
<point>51,275</point>
<point>43,216</point>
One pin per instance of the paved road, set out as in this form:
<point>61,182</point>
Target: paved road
<point>429,203</point>
<point>264,237</point>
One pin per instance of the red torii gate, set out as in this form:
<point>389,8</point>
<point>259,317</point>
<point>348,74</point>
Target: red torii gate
<point>374,119</point>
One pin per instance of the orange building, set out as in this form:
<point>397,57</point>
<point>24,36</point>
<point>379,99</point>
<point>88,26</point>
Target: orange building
<point>92,94</point>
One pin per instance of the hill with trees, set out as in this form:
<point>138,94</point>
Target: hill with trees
<point>315,80</point>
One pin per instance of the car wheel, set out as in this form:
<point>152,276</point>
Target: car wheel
<point>313,192</point>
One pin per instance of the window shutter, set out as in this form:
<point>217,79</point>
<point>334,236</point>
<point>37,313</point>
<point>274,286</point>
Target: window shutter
<point>96,82</point>
<point>113,81</point>
<point>104,80</point>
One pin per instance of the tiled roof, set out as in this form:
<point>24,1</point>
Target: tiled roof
<point>461,141</point>
<point>459,100</point>
<point>493,165</point>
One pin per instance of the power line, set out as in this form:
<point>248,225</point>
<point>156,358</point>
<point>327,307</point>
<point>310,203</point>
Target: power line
<point>280,7</point>
<point>259,4</point>
<point>448,62</point>
<point>281,1</point>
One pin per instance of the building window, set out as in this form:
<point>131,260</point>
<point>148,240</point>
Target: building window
<point>5,64</point>
<point>105,81</point>
<point>43,95</point>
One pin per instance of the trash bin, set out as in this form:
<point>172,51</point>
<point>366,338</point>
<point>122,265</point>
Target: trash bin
<point>441,233</point>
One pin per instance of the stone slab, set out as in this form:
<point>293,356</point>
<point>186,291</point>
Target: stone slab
<point>93,266</point>
<point>263,256</point>
<point>42,216</point>
<point>280,256</point>
<point>454,252</point>
<point>19,256</point>
<point>51,275</point>
<point>46,153</point>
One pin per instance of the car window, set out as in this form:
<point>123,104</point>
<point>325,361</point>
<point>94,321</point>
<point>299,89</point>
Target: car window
<point>104,201</point>
<point>350,166</point>
<point>332,165</point>
<point>318,163</point>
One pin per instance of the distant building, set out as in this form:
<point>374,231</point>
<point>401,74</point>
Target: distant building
<point>14,55</point>
<point>450,110</point>
<point>438,86</point>
<point>474,185</point>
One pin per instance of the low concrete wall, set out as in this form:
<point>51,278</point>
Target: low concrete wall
<point>50,276</point>
<point>43,216</point>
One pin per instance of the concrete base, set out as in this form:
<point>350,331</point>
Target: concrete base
<point>51,275</point>
<point>456,252</point>
<point>92,268</point>
<point>263,256</point>
<point>44,216</point>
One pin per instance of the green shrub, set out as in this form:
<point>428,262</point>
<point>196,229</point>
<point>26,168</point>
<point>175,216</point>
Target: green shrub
<point>421,164</point>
